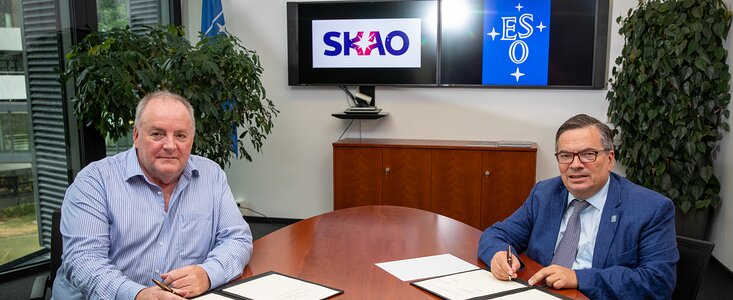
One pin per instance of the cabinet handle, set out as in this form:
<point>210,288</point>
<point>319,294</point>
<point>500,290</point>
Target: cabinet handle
<point>487,173</point>
<point>386,171</point>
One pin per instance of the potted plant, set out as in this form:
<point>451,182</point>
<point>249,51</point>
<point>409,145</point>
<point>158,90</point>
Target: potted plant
<point>112,70</point>
<point>668,100</point>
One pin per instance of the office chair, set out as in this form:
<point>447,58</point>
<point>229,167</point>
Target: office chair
<point>43,284</point>
<point>694,258</point>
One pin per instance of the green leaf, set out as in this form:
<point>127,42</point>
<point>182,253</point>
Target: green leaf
<point>666,181</point>
<point>706,173</point>
<point>685,206</point>
<point>661,167</point>
<point>696,12</point>
<point>700,204</point>
<point>654,156</point>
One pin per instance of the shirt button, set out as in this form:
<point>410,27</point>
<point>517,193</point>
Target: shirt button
<point>161,243</point>
<point>159,193</point>
<point>157,271</point>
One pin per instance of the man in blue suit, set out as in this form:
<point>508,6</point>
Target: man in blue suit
<point>626,245</point>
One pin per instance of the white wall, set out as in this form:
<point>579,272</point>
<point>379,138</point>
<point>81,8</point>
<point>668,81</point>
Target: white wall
<point>292,178</point>
<point>723,216</point>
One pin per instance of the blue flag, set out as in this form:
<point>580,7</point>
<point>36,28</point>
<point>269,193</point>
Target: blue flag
<point>212,23</point>
<point>212,17</point>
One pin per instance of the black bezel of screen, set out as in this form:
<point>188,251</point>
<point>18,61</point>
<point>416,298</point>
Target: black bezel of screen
<point>300,59</point>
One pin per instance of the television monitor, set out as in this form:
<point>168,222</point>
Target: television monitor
<point>363,43</point>
<point>484,43</point>
<point>514,43</point>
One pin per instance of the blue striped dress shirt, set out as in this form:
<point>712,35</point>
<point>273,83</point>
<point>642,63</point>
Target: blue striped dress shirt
<point>117,234</point>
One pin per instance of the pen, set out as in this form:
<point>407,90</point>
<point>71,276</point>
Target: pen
<point>163,286</point>
<point>509,255</point>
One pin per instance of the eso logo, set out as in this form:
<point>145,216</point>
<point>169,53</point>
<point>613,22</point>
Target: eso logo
<point>511,30</point>
<point>509,33</point>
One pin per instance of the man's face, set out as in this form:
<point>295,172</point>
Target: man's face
<point>584,180</point>
<point>163,139</point>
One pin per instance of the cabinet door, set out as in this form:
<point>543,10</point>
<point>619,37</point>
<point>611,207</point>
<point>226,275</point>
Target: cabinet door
<point>357,176</point>
<point>456,185</point>
<point>406,177</point>
<point>507,181</point>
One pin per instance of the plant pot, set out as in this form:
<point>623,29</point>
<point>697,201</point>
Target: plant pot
<point>693,224</point>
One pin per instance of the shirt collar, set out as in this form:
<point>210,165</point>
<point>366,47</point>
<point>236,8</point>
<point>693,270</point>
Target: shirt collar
<point>133,169</point>
<point>598,200</point>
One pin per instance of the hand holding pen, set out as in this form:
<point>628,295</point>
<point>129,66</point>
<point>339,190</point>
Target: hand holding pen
<point>160,291</point>
<point>510,261</point>
<point>163,286</point>
<point>502,264</point>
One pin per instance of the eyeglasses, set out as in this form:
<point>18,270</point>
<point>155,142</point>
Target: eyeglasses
<point>587,156</point>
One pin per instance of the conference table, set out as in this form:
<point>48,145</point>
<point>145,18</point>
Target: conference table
<point>339,249</point>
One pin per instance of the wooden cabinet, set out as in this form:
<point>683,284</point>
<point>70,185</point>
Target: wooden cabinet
<point>456,185</point>
<point>478,183</point>
<point>406,177</point>
<point>359,176</point>
<point>508,176</point>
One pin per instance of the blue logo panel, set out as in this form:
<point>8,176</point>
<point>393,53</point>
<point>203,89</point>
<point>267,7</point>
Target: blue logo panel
<point>516,42</point>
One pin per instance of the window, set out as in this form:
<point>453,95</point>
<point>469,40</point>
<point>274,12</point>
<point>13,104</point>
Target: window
<point>18,223</point>
<point>111,14</point>
<point>41,146</point>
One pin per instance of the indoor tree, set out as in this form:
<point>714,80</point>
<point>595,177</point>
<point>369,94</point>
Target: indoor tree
<point>669,96</point>
<point>113,70</point>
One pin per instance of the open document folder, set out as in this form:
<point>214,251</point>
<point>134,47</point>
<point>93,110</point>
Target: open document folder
<point>481,284</point>
<point>271,286</point>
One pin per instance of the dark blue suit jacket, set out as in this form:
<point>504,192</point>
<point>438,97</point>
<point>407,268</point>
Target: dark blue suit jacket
<point>635,254</point>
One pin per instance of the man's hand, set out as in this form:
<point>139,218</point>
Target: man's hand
<point>190,280</point>
<point>556,277</point>
<point>155,293</point>
<point>501,269</point>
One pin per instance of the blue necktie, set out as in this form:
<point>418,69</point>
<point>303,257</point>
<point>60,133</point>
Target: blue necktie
<point>568,247</point>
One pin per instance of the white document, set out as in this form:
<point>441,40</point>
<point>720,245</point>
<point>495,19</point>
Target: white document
<point>425,267</point>
<point>468,285</point>
<point>276,286</point>
<point>212,296</point>
<point>533,294</point>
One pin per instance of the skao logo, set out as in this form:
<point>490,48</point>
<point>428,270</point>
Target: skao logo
<point>366,43</point>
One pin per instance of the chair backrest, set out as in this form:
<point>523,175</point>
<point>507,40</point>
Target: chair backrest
<point>56,245</point>
<point>694,258</point>
<point>44,283</point>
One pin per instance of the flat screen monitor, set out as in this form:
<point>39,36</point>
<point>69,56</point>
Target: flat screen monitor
<point>483,43</point>
<point>514,43</point>
<point>363,43</point>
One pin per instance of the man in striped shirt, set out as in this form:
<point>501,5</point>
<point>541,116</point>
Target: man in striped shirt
<point>152,212</point>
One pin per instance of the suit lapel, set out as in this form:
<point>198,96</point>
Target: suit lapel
<point>610,217</point>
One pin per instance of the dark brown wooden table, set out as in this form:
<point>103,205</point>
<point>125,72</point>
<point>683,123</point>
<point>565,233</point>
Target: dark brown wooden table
<point>340,248</point>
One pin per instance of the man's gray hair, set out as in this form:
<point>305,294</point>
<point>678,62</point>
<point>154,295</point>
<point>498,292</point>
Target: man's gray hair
<point>583,121</point>
<point>163,94</point>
